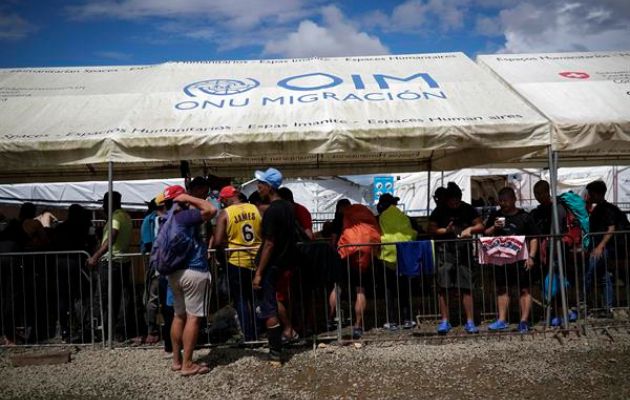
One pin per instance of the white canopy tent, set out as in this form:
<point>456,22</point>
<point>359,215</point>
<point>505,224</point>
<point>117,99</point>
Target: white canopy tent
<point>308,117</point>
<point>586,96</point>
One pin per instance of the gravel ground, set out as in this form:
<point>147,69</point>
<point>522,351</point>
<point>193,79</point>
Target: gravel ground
<point>592,366</point>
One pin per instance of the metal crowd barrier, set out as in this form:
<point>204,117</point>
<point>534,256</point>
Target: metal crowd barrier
<point>47,298</point>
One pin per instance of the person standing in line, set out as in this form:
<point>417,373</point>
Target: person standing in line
<point>190,285</point>
<point>276,255</point>
<point>238,227</point>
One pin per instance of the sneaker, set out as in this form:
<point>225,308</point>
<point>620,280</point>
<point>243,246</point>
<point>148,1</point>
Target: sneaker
<point>523,327</point>
<point>444,327</point>
<point>572,316</point>
<point>470,327</point>
<point>275,357</point>
<point>409,324</point>
<point>556,321</point>
<point>357,332</point>
<point>498,325</point>
<point>331,326</point>
<point>391,326</point>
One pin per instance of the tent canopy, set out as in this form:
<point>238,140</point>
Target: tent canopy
<point>308,117</point>
<point>586,96</point>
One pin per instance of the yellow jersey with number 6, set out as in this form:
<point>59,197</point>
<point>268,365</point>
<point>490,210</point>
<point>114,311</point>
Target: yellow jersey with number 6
<point>243,230</point>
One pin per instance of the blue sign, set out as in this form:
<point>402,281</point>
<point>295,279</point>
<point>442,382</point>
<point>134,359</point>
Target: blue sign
<point>382,185</point>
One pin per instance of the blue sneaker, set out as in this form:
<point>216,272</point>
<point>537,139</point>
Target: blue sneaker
<point>556,321</point>
<point>523,327</point>
<point>357,332</point>
<point>498,325</point>
<point>572,316</point>
<point>444,327</point>
<point>470,327</point>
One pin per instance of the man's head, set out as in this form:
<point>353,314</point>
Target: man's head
<point>541,192</point>
<point>507,199</point>
<point>452,195</point>
<point>596,191</point>
<point>269,182</point>
<point>342,204</point>
<point>27,211</point>
<point>439,196</point>
<point>286,194</point>
<point>386,200</point>
<point>199,187</point>
<point>229,195</point>
<point>116,201</point>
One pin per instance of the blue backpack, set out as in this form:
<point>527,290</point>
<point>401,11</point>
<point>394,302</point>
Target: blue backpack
<point>171,250</point>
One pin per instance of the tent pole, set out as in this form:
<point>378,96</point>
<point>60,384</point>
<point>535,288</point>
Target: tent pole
<point>110,244</point>
<point>429,190</point>
<point>553,176</point>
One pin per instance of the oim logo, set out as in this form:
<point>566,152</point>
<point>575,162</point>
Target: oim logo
<point>220,87</point>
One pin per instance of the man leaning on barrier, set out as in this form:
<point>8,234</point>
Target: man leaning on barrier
<point>605,220</point>
<point>451,221</point>
<point>121,267</point>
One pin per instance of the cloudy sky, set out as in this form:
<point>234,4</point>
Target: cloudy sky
<point>105,32</point>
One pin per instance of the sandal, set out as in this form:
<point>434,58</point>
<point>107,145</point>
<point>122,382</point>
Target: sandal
<point>199,369</point>
<point>151,340</point>
<point>288,340</point>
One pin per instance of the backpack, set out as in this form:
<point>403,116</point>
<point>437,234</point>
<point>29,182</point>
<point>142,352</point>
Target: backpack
<point>171,250</point>
<point>577,220</point>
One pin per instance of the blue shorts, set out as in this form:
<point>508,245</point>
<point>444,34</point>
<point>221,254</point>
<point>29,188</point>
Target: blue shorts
<point>267,303</point>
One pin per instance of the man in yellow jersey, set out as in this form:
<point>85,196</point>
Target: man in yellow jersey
<point>238,229</point>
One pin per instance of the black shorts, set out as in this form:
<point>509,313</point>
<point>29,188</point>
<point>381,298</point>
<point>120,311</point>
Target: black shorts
<point>515,275</point>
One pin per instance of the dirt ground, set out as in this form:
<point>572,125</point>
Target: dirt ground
<point>577,366</point>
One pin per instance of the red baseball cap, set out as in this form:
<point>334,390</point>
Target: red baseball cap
<point>172,192</point>
<point>227,192</point>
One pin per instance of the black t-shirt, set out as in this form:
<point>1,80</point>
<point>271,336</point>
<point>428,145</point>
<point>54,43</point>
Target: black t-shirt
<point>543,217</point>
<point>520,223</point>
<point>279,224</point>
<point>462,217</point>
<point>604,215</point>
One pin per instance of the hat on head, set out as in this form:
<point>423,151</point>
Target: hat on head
<point>159,199</point>
<point>172,192</point>
<point>388,199</point>
<point>228,192</point>
<point>271,176</point>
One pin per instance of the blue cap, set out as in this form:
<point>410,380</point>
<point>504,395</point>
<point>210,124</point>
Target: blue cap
<point>271,176</point>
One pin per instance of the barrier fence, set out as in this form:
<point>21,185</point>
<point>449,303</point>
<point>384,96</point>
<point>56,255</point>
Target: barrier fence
<point>48,298</point>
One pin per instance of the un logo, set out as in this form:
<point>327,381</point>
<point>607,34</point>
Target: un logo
<point>221,87</point>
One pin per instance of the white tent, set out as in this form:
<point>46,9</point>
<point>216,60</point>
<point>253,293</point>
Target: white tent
<point>412,188</point>
<point>585,95</point>
<point>134,194</point>
<point>308,117</point>
<point>321,195</point>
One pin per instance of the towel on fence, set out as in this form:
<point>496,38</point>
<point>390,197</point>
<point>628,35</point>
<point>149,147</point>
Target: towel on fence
<point>415,257</point>
<point>396,227</point>
<point>501,250</point>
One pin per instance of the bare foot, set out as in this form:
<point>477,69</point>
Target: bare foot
<point>195,369</point>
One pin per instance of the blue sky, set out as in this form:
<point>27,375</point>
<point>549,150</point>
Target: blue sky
<point>107,32</point>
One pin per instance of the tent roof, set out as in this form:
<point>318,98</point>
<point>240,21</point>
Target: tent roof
<point>316,116</point>
<point>585,95</point>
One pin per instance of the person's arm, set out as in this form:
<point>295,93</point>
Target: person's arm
<point>93,261</point>
<point>435,230</point>
<point>265,255</point>
<point>219,235</point>
<point>599,249</point>
<point>476,227</point>
<point>533,250</point>
<point>207,209</point>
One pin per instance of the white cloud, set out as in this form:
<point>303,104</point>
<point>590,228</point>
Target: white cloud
<point>576,25</point>
<point>414,16</point>
<point>14,27</point>
<point>336,36</point>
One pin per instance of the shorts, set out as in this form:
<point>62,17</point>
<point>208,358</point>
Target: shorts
<point>352,276</point>
<point>516,275</point>
<point>283,288</point>
<point>267,302</point>
<point>191,291</point>
<point>453,270</point>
